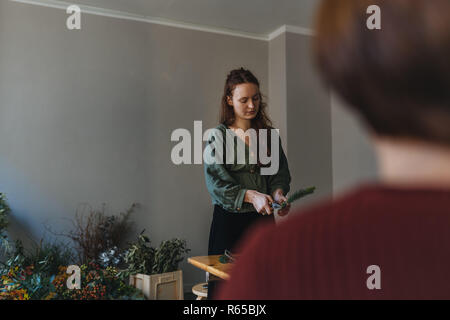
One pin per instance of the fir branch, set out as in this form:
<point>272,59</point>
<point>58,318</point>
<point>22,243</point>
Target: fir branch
<point>300,194</point>
<point>295,196</point>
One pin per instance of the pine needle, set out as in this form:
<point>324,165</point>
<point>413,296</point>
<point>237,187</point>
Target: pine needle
<point>300,194</point>
<point>295,196</point>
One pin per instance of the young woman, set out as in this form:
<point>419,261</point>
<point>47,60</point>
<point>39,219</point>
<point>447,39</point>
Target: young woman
<point>240,194</point>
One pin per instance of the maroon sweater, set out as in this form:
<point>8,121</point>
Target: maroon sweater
<point>323,252</point>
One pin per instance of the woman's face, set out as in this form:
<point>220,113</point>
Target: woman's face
<point>245,101</point>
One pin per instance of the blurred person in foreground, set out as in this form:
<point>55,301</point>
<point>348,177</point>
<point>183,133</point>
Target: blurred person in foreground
<point>384,240</point>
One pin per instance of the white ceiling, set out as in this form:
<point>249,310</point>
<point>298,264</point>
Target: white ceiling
<point>252,16</point>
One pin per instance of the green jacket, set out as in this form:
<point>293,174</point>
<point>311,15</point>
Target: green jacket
<point>227,183</point>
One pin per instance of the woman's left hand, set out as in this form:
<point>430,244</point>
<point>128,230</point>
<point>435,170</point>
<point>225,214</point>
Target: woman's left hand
<point>279,198</point>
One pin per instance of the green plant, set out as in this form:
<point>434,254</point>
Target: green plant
<point>139,257</point>
<point>294,196</point>
<point>96,284</point>
<point>40,273</point>
<point>47,257</point>
<point>169,254</point>
<point>29,273</point>
<point>142,258</point>
<point>300,193</point>
<point>38,285</point>
<point>4,212</point>
<point>10,284</point>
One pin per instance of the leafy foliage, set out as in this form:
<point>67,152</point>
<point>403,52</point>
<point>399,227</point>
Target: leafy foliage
<point>29,274</point>
<point>169,254</point>
<point>4,212</point>
<point>300,194</point>
<point>142,258</point>
<point>96,284</point>
<point>40,272</point>
<point>294,196</point>
<point>139,257</point>
<point>46,257</point>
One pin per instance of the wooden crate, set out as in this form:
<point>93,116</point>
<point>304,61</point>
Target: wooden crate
<point>163,286</point>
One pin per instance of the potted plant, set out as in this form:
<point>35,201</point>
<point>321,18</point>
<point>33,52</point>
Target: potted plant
<point>155,270</point>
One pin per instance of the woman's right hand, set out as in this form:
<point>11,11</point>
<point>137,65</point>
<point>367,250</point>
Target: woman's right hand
<point>262,202</point>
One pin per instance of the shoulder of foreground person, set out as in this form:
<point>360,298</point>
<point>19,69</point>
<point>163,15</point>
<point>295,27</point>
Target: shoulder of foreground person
<point>324,251</point>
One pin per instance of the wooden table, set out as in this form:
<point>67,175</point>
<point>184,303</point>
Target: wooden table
<point>212,265</point>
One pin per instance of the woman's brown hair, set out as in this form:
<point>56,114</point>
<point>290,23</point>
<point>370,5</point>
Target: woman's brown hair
<point>227,116</point>
<point>397,78</point>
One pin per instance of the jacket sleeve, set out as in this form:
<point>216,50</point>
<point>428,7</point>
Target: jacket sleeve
<point>282,178</point>
<point>222,187</point>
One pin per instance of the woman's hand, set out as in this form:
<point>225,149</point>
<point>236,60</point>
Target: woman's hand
<point>280,198</point>
<point>262,202</point>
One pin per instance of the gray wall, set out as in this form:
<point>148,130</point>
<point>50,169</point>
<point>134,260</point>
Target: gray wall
<point>86,117</point>
<point>73,115</point>
<point>309,122</point>
<point>277,86</point>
